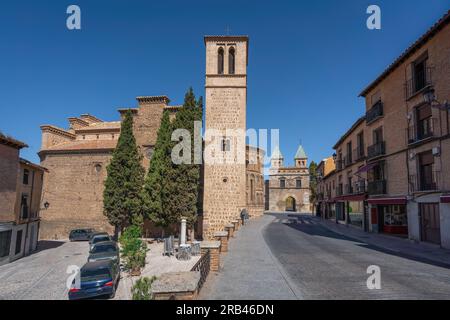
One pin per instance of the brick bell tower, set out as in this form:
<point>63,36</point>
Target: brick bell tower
<point>225,112</point>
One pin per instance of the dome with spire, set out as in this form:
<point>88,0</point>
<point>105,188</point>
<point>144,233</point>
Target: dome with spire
<point>301,154</point>
<point>276,154</point>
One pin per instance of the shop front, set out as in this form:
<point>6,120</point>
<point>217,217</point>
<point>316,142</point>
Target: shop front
<point>389,215</point>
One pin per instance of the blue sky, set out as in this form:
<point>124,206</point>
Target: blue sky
<point>308,60</point>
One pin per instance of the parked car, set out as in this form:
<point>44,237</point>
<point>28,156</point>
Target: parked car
<point>81,234</point>
<point>107,250</point>
<point>98,237</point>
<point>97,278</point>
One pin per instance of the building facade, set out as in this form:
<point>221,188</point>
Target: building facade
<point>289,188</point>
<point>20,201</point>
<point>395,160</point>
<point>77,157</point>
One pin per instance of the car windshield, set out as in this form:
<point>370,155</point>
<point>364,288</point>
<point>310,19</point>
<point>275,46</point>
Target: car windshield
<point>91,274</point>
<point>104,248</point>
<point>100,239</point>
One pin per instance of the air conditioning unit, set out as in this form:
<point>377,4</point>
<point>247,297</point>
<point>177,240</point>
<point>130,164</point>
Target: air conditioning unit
<point>436,151</point>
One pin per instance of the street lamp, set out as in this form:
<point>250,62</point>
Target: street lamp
<point>46,205</point>
<point>430,98</point>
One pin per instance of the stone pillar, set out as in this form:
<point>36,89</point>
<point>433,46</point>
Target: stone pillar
<point>230,229</point>
<point>236,224</point>
<point>214,250</point>
<point>183,231</point>
<point>222,236</point>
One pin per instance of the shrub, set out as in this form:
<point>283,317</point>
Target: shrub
<point>134,250</point>
<point>142,289</point>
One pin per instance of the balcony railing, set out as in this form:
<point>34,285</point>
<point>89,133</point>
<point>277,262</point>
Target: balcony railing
<point>360,187</point>
<point>348,160</point>
<point>376,150</point>
<point>425,182</point>
<point>375,112</point>
<point>422,130</point>
<point>348,189</point>
<point>358,154</point>
<point>339,190</point>
<point>376,187</point>
<point>419,82</point>
<point>339,165</point>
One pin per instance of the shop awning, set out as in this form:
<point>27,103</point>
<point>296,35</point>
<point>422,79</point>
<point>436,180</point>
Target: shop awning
<point>357,197</point>
<point>445,198</point>
<point>387,201</point>
<point>366,168</point>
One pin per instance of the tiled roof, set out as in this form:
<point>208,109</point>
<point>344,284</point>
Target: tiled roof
<point>113,125</point>
<point>12,142</point>
<point>408,52</point>
<point>80,145</point>
<point>300,154</point>
<point>276,154</point>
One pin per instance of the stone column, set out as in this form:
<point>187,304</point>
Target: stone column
<point>222,236</point>
<point>214,250</point>
<point>230,229</point>
<point>183,231</point>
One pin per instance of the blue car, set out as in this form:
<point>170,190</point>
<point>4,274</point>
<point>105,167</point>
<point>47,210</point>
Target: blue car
<point>97,278</point>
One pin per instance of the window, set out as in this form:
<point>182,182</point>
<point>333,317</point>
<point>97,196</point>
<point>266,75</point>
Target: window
<point>225,145</point>
<point>231,61</point>
<point>420,75</point>
<point>5,243</point>
<point>298,183</point>
<point>26,174</point>
<point>424,122</point>
<point>282,183</point>
<point>427,177</point>
<point>220,61</point>
<point>18,242</point>
<point>360,148</point>
<point>378,135</point>
<point>349,153</point>
<point>24,207</point>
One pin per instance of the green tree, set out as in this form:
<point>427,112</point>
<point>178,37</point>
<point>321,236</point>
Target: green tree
<point>313,183</point>
<point>184,178</point>
<point>155,192</point>
<point>125,177</point>
<point>142,289</point>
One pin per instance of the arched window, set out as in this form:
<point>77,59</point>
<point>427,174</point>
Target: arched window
<point>231,61</point>
<point>220,61</point>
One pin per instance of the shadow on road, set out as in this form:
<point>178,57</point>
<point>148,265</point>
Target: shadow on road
<point>48,244</point>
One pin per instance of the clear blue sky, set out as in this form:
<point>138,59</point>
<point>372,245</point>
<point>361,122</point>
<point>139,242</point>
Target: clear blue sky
<point>308,60</point>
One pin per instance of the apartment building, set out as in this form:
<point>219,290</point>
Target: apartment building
<point>20,200</point>
<point>325,174</point>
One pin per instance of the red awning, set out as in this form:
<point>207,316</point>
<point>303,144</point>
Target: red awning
<point>445,198</point>
<point>387,201</point>
<point>358,197</point>
<point>366,168</point>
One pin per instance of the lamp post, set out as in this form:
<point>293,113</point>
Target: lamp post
<point>430,98</point>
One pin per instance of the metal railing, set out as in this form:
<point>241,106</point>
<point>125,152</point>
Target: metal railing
<point>349,189</point>
<point>377,149</point>
<point>348,160</point>
<point>376,187</point>
<point>358,154</point>
<point>423,182</point>
<point>421,130</point>
<point>339,190</point>
<point>339,165</point>
<point>418,82</point>
<point>202,265</point>
<point>375,112</point>
<point>360,187</point>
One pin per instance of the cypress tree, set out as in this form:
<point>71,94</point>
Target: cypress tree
<point>155,192</point>
<point>184,179</point>
<point>125,177</point>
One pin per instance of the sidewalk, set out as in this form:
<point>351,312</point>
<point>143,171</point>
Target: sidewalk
<point>249,270</point>
<point>406,248</point>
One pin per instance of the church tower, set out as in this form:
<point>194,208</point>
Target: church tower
<point>225,125</point>
<point>301,159</point>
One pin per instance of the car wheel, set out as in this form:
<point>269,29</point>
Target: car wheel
<point>113,294</point>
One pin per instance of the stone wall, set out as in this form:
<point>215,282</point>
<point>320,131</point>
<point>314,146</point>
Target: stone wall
<point>9,166</point>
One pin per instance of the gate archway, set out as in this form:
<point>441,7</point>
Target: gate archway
<point>290,204</point>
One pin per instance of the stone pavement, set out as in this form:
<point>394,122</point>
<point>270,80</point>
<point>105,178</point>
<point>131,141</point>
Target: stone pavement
<point>423,252</point>
<point>249,270</point>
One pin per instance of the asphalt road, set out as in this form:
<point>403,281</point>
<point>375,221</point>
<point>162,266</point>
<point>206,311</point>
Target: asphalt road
<point>321,264</point>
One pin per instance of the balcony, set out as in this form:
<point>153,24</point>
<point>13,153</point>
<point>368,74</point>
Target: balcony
<point>418,83</point>
<point>339,165</point>
<point>348,160</point>
<point>422,130</point>
<point>339,190</point>
<point>349,189</point>
<point>425,182</point>
<point>376,187</point>
<point>375,112</point>
<point>358,154</point>
<point>376,150</point>
<point>360,187</point>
